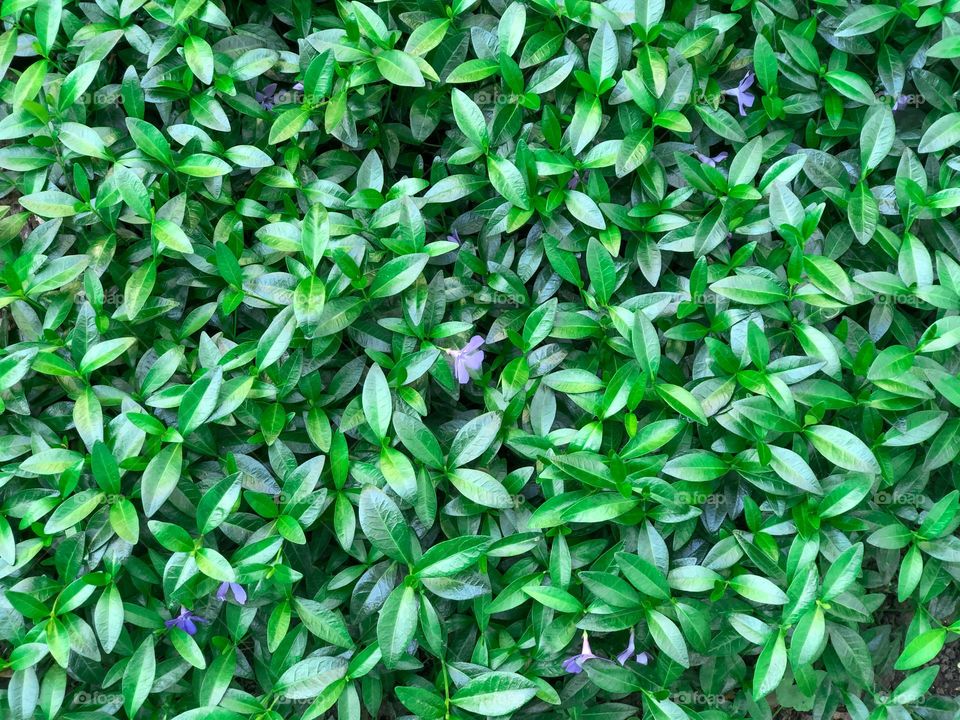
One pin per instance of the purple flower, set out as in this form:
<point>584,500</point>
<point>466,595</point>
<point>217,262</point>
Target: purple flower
<point>577,179</point>
<point>744,99</point>
<point>270,95</point>
<point>186,621</point>
<point>575,664</point>
<point>629,650</point>
<point>239,594</point>
<point>454,236</point>
<point>469,358</point>
<point>267,96</point>
<point>901,103</point>
<point>711,161</point>
<point>642,658</point>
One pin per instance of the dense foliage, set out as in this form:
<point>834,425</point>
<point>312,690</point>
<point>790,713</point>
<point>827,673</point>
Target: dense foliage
<point>546,359</point>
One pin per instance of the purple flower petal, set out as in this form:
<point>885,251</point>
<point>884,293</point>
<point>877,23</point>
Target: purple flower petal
<point>711,161</point>
<point>460,370</point>
<point>475,343</point>
<point>186,621</point>
<point>473,360</point>
<point>236,589</point>
<point>468,358</point>
<point>744,98</point>
<point>585,645</point>
<point>575,664</point>
<point>628,651</point>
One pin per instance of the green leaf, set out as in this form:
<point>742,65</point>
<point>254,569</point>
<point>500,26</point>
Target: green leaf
<point>326,624</point>
<point>758,589</point>
<point>399,68</point>
<point>508,181</point>
<point>683,401</point>
<point>149,140</point>
<point>51,204</point>
<point>377,403</point>
<point>771,666</point>
<point>473,439</point>
<point>842,448</point>
<point>51,462</point>
<point>288,123</point>
<point>554,598</point>
<point>199,56</point>
<point>649,12</point>
<point>495,693</point>
<point>481,488</point>
<point>602,271</point>
<point>310,677</point>
<point>138,676</point>
<point>865,20</point>
<point>643,576</point>
<point>921,649</point>
<point>172,236</point>
<point>584,209</point>
<point>216,503</point>
<point>160,478</point>
<point>668,638</point>
<point>851,86</point>
<point>253,63</point>
<point>397,624</point>
<point>398,274</point>
<point>470,119</point>
<point>863,213</point>
<point>941,134</point>
<point>749,289</point>
<point>108,617</point>
<point>384,525</point>
<point>73,510</point>
<point>199,402</point>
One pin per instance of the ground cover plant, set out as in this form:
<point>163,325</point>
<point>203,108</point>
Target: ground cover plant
<point>550,359</point>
